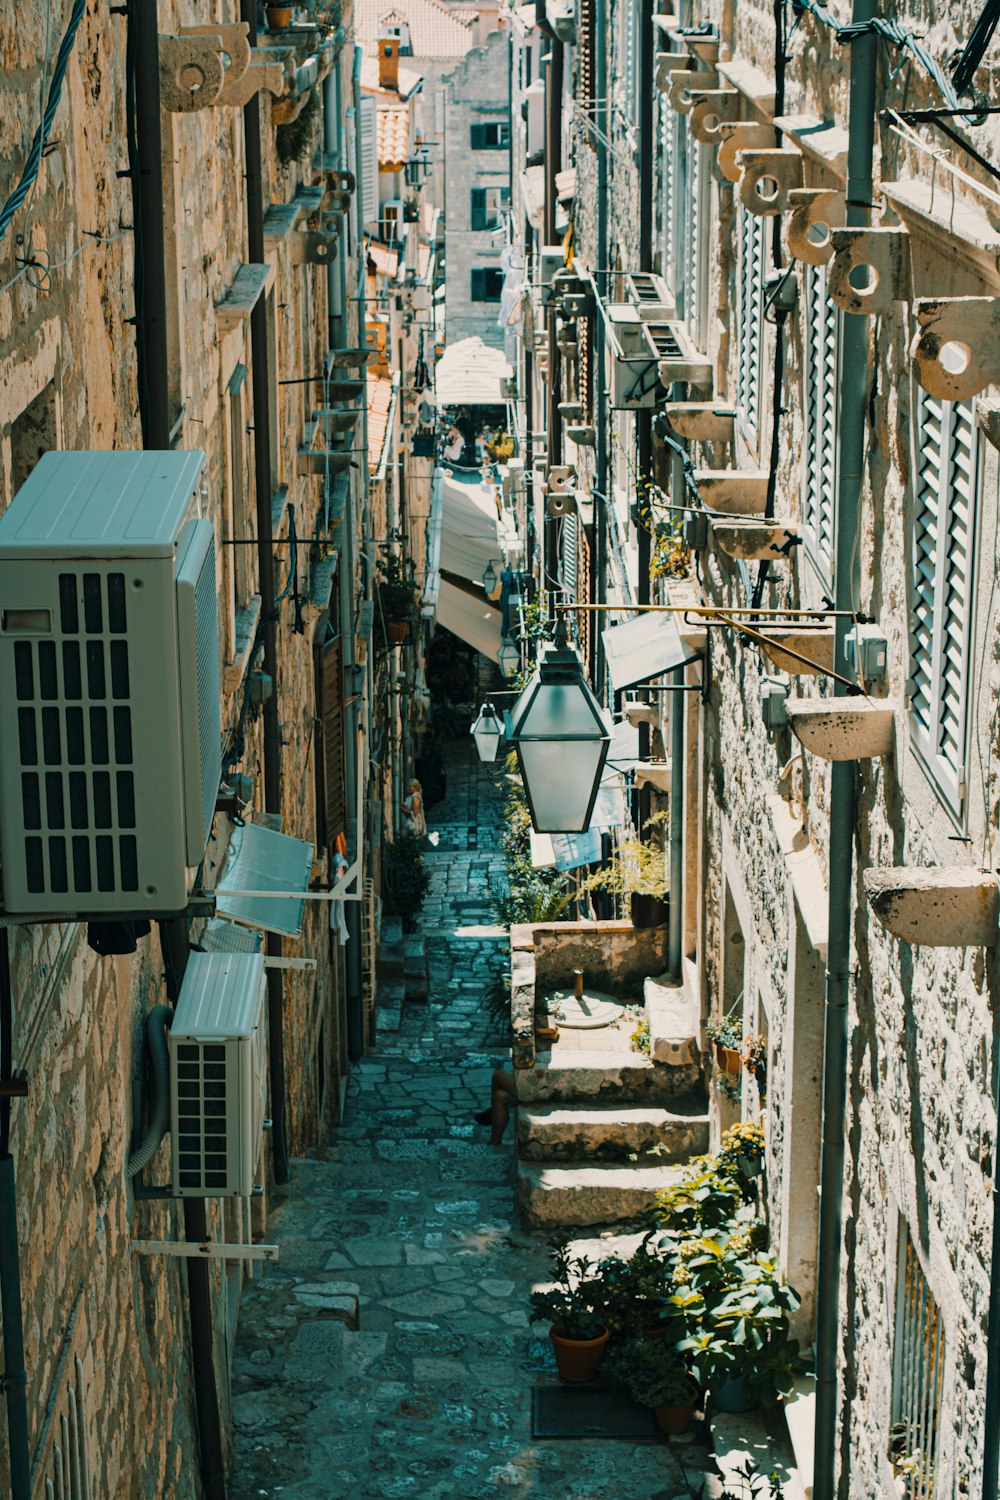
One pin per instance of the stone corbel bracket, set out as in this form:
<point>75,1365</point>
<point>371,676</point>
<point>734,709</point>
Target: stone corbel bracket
<point>652,773</point>
<point>870,269</point>
<point>745,135</point>
<point>741,492</point>
<point>842,728</point>
<point>701,421</point>
<point>686,85</point>
<point>767,178</point>
<point>956,349</point>
<point>755,540</point>
<point>207,65</point>
<point>312,249</point>
<point>667,63</point>
<point>713,108</point>
<point>946,906</point>
<point>815,214</point>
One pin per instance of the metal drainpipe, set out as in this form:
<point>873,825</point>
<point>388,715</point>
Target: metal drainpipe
<point>265,566</point>
<point>355,769</point>
<point>14,1383</point>
<point>991,1416</point>
<point>553,158</point>
<point>854,385</point>
<point>600,413</point>
<point>644,419</point>
<point>153,361</point>
<point>331,146</point>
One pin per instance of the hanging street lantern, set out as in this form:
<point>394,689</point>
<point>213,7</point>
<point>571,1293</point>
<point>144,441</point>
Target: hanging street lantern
<point>561,735</point>
<point>490,579</point>
<point>509,656</point>
<point>487,732</point>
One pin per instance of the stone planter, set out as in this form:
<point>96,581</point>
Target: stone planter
<point>577,1360</point>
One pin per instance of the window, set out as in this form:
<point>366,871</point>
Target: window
<point>668,178</point>
<point>402,31</point>
<point>918,1376</point>
<point>492,137</point>
<point>944,481</point>
<point>631,45</point>
<point>487,284</point>
<point>750,322</point>
<point>488,204</point>
<point>821,322</point>
<point>696,210</point>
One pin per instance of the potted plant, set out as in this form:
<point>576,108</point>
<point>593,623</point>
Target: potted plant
<point>574,1307</point>
<point>755,1062</point>
<point>743,1350</point>
<point>727,1034</point>
<point>279,17</point>
<point>634,1291</point>
<point>741,1153</point>
<point>655,1376</point>
<point>405,878</point>
<point>396,595</point>
<point>637,873</point>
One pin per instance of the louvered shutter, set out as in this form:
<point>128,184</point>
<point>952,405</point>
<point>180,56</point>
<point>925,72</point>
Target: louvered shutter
<point>819,487</point>
<point>750,321</point>
<point>585,68</point>
<point>569,558</point>
<point>332,801</point>
<point>477,212</point>
<point>477,137</point>
<point>368,187</point>
<point>667,180</point>
<point>943,574</point>
<point>693,233</point>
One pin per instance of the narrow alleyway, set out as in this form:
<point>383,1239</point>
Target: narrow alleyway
<point>413,1211</point>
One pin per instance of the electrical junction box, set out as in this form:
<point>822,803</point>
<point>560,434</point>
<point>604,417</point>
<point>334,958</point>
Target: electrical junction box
<point>773,695</point>
<point>867,653</point>
<point>218,1076</point>
<point>696,530</point>
<point>110,745</point>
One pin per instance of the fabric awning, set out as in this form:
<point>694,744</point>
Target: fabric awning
<point>469,526</point>
<point>259,859</point>
<point>472,619</point>
<point>533,193</point>
<point>644,647</point>
<point>469,374</point>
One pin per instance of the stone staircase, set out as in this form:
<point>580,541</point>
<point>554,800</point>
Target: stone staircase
<point>601,1128</point>
<point>401,972</point>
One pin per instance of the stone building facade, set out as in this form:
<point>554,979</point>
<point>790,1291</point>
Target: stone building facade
<point>107,1320</point>
<point>712,157</point>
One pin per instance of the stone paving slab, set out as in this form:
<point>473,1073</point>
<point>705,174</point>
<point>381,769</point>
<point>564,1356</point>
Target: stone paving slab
<point>388,1354</point>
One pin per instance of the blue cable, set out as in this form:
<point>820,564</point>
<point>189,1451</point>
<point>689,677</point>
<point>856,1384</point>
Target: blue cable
<point>890,31</point>
<point>31,166</point>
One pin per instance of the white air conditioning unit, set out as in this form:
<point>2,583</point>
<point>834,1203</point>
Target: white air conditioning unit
<point>551,259</point>
<point>218,1076</point>
<point>643,355</point>
<point>650,294</point>
<point>110,745</point>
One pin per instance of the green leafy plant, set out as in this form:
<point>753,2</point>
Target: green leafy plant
<point>652,1373</point>
<point>741,1152</point>
<point>405,878</point>
<point>524,894</point>
<point>755,1062</point>
<point>635,1290</point>
<point>671,556</point>
<point>396,588</point>
<point>575,1303</point>
<point>639,1038</point>
<point>294,141</point>
<point>636,868</point>
<point>745,1332</point>
<point>727,1031</point>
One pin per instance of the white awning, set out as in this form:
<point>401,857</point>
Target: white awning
<point>258,859</point>
<point>469,374</point>
<point>469,527</point>
<point>473,620</point>
<point>644,647</point>
<point>533,193</point>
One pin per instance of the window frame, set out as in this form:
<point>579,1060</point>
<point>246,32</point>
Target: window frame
<point>485,272</point>
<point>479,212</point>
<point>750,361</point>
<point>482,128</point>
<point>914,1296</point>
<point>927,725</point>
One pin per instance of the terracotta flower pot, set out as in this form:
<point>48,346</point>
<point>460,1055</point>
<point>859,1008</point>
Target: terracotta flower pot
<point>730,1059</point>
<point>278,17</point>
<point>397,632</point>
<point>675,1419</point>
<point>577,1359</point>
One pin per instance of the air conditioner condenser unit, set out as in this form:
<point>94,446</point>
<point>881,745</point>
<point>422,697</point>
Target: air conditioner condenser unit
<point>218,1076</point>
<point>110,749</point>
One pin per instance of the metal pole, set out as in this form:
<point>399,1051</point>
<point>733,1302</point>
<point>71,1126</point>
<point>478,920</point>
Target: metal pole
<point>991,1417</point>
<point>151,315</point>
<point>853,388</point>
<point>265,563</point>
<point>14,1376</point>
<point>675,907</point>
<point>600,412</point>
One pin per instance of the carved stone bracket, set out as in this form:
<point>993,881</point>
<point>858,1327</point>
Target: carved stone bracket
<point>309,249</point>
<point>713,108</point>
<point>767,179</point>
<point>956,349</point>
<point>870,269</point>
<point>743,136</point>
<point>815,214</point>
<point>666,64</point>
<point>685,85</point>
<point>206,65</point>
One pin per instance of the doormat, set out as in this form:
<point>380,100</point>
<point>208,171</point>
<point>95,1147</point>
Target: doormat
<point>558,1411</point>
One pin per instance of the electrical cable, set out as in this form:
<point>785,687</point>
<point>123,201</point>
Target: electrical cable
<point>31,166</point>
<point>975,47</point>
<point>889,31</point>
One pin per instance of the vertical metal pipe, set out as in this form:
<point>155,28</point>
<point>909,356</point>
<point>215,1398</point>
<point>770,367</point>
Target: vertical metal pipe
<point>151,313</point>
<point>991,1419</point>
<point>854,384</point>
<point>15,1378</point>
<point>646,96</point>
<point>331,147</point>
<point>601,414</point>
<point>676,898</point>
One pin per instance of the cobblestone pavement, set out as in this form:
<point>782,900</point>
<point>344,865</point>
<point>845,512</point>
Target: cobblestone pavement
<point>430,1396</point>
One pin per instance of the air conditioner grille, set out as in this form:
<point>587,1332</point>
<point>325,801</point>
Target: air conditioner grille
<point>97,803</point>
<point>664,341</point>
<point>200,1131</point>
<point>645,287</point>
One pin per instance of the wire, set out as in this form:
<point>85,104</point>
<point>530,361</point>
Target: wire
<point>30,172</point>
<point>890,31</point>
<point>975,47</point>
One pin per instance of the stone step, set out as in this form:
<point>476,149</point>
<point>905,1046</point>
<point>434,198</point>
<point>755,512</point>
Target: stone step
<point>550,1194</point>
<point>391,931</point>
<point>415,968</point>
<point>674,1022</point>
<point>564,1074</point>
<point>557,1132</point>
<point>389,997</point>
<point>390,962</point>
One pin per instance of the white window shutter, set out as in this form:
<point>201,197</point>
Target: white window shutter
<point>945,482</point>
<point>819,487</point>
<point>368,186</point>
<point>569,559</point>
<point>750,321</point>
